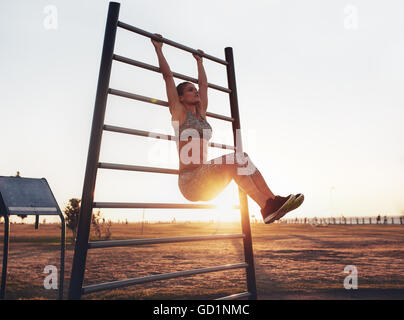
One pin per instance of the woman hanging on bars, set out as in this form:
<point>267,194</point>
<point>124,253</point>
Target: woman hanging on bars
<point>202,180</point>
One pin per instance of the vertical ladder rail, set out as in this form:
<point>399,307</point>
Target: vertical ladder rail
<point>5,256</point>
<point>80,252</point>
<point>245,219</point>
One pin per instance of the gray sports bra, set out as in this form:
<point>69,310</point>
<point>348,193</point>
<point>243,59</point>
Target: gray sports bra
<point>198,128</point>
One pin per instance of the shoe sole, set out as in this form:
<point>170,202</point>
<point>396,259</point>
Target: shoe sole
<point>281,211</point>
<point>296,204</point>
<point>298,201</point>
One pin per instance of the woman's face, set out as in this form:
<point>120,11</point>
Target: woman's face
<point>190,95</point>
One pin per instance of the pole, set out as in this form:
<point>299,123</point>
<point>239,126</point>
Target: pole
<point>142,221</point>
<point>62,256</point>
<point>245,219</point>
<point>5,256</point>
<point>80,252</point>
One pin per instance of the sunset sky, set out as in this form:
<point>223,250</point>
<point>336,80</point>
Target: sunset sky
<point>319,86</point>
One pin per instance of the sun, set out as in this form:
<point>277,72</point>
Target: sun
<point>225,202</point>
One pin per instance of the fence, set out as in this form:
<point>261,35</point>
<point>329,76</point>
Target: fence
<point>398,220</point>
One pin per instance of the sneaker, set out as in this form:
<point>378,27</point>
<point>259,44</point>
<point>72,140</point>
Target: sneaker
<point>299,198</point>
<point>276,208</point>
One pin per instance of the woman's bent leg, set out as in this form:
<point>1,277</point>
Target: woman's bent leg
<point>261,184</point>
<point>246,176</point>
<point>207,181</point>
<point>258,179</point>
<point>204,183</point>
<point>246,183</point>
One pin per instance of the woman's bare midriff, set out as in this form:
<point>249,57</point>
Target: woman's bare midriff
<point>197,143</point>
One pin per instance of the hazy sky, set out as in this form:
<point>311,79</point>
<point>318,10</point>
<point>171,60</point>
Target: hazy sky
<point>319,87</point>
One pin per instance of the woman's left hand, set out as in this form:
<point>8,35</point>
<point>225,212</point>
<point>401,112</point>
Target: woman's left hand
<point>198,57</point>
<point>157,44</point>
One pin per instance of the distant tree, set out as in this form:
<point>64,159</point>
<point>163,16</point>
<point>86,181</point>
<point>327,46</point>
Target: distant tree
<point>71,213</point>
<point>100,227</point>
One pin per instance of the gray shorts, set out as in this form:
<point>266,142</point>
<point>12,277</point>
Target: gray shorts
<point>204,182</point>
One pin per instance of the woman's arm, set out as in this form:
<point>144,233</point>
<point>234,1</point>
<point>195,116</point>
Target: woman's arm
<point>172,95</point>
<point>202,83</point>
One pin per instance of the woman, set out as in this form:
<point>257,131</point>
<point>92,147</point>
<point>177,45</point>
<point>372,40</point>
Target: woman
<point>202,180</point>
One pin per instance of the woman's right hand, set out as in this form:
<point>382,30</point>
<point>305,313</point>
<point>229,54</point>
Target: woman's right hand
<point>157,44</point>
<point>198,57</point>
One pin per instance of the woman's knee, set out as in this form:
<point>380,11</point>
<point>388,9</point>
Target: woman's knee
<point>233,162</point>
<point>242,159</point>
<point>244,165</point>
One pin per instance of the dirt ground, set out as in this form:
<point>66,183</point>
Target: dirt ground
<point>291,261</point>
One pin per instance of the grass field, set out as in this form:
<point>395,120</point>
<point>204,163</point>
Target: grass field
<point>291,261</point>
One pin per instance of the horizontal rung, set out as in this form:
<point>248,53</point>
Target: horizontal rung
<point>236,296</point>
<point>169,42</point>
<point>141,205</point>
<point>158,136</point>
<point>157,69</point>
<point>139,132</point>
<point>138,97</point>
<point>157,277</point>
<point>115,166</point>
<point>140,242</point>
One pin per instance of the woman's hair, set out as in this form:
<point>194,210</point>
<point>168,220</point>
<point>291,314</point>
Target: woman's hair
<point>181,87</point>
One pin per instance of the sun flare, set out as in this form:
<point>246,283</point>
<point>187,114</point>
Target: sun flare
<point>225,206</point>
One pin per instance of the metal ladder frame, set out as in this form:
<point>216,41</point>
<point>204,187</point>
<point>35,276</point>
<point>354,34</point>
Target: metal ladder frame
<point>76,289</point>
